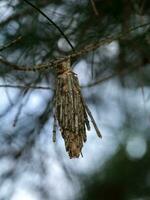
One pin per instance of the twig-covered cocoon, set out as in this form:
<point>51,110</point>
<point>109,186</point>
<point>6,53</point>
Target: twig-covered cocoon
<point>70,110</point>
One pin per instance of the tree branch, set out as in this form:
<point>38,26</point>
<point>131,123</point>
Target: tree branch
<point>124,72</point>
<point>51,22</point>
<point>11,43</point>
<point>94,8</point>
<point>26,86</point>
<point>88,48</point>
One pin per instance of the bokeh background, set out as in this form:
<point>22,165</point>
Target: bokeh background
<point>115,83</point>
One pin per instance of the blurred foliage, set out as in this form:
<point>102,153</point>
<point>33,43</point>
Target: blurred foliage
<point>30,160</point>
<point>123,178</point>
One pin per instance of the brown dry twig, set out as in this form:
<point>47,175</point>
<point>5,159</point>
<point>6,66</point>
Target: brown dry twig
<point>10,43</point>
<point>94,8</point>
<point>88,48</point>
<point>26,86</point>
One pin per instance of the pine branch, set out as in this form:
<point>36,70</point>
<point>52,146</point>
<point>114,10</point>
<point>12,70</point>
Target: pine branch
<point>12,65</point>
<point>94,8</point>
<point>11,43</point>
<point>51,22</point>
<point>25,68</point>
<point>123,72</point>
<point>26,86</point>
<point>88,48</point>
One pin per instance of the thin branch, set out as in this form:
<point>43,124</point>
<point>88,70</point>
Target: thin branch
<point>88,48</point>
<point>92,120</point>
<point>25,97</point>
<point>100,80</point>
<point>124,72</point>
<point>26,86</point>
<point>25,68</point>
<point>52,22</point>
<point>11,43</point>
<point>94,8</point>
<point>14,66</point>
<point>92,64</point>
<point>106,40</point>
<point>83,86</point>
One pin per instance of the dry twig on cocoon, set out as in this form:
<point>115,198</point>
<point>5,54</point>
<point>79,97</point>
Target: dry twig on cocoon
<point>71,111</point>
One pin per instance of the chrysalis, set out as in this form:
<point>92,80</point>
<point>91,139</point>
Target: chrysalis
<point>71,111</point>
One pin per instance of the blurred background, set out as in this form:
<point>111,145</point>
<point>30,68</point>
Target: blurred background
<point>115,83</point>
